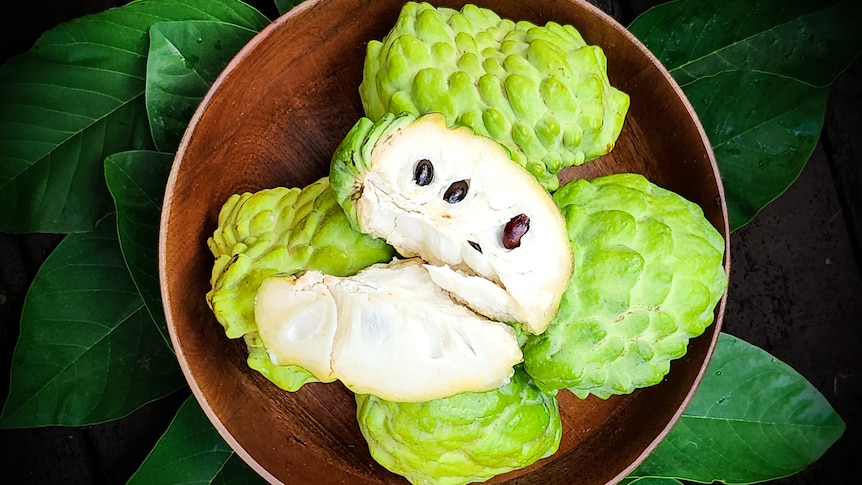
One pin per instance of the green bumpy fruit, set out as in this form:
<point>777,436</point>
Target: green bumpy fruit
<point>280,231</point>
<point>648,274</point>
<point>464,438</point>
<point>540,91</point>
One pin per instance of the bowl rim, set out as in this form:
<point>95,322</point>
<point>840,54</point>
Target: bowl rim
<point>228,71</point>
<point>195,388</point>
<point>720,309</point>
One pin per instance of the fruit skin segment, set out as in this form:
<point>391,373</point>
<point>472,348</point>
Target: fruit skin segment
<point>541,91</point>
<point>273,231</point>
<point>387,330</point>
<point>648,275</point>
<point>445,195</point>
<point>470,437</point>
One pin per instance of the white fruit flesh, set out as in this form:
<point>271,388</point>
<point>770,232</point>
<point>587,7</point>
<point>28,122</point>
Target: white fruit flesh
<point>296,321</point>
<point>465,238</point>
<point>393,333</point>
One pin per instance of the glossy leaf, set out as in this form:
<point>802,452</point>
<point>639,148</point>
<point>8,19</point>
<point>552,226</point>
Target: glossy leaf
<point>184,59</point>
<point>237,472</point>
<point>650,481</point>
<point>192,451</point>
<point>137,181</point>
<point>76,97</point>
<point>88,351</point>
<point>722,53</point>
<point>762,136</point>
<point>285,5</point>
<point>809,41</point>
<point>753,418</point>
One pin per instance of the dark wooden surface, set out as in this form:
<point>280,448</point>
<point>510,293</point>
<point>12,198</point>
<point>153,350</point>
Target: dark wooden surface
<point>795,291</point>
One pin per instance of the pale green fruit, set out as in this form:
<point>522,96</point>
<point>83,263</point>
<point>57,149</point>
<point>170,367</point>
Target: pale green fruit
<point>455,199</point>
<point>281,230</point>
<point>465,438</point>
<point>648,275</point>
<point>388,330</point>
<point>541,91</point>
<point>275,231</point>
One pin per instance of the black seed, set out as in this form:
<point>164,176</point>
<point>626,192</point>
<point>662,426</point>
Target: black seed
<point>424,172</point>
<point>475,246</point>
<point>456,192</point>
<point>515,230</point>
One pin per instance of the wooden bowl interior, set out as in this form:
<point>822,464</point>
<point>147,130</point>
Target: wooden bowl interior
<point>274,117</point>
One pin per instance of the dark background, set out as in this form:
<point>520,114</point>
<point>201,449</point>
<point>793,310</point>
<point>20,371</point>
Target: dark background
<point>795,289</point>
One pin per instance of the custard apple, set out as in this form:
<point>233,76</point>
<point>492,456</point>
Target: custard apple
<point>280,230</point>
<point>465,438</point>
<point>388,330</point>
<point>541,91</point>
<point>492,236</point>
<point>648,274</point>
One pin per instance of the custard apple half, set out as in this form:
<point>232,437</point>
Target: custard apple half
<point>280,230</point>
<point>648,274</point>
<point>466,438</point>
<point>388,330</point>
<point>492,236</point>
<point>541,91</point>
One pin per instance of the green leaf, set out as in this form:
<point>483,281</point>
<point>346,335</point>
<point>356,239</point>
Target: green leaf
<point>285,5</point>
<point>762,136</point>
<point>192,451</point>
<point>748,69</point>
<point>237,472</point>
<point>88,351</point>
<point>76,97</point>
<point>752,419</point>
<point>650,481</point>
<point>810,41</point>
<point>137,183</point>
<point>185,58</point>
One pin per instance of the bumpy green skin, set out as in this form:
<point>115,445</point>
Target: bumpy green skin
<point>288,377</point>
<point>648,275</point>
<point>540,91</point>
<point>352,158</point>
<point>280,231</point>
<point>465,438</point>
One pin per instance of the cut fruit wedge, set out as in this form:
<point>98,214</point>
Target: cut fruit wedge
<point>389,331</point>
<point>456,200</point>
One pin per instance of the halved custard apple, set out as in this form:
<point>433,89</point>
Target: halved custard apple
<point>490,233</point>
<point>389,331</point>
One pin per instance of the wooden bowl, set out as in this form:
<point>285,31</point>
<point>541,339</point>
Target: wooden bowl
<point>274,117</point>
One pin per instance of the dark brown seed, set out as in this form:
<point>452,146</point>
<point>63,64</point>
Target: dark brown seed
<point>475,246</point>
<point>456,192</point>
<point>424,172</point>
<point>515,230</point>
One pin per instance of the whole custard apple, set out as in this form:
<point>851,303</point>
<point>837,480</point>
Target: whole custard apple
<point>541,91</point>
<point>648,274</point>
<point>469,437</point>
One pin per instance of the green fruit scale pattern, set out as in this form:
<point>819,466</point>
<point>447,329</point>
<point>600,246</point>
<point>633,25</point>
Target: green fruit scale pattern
<point>470,437</point>
<point>281,231</point>
<point>647,277</point>
<point>540,91</point>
